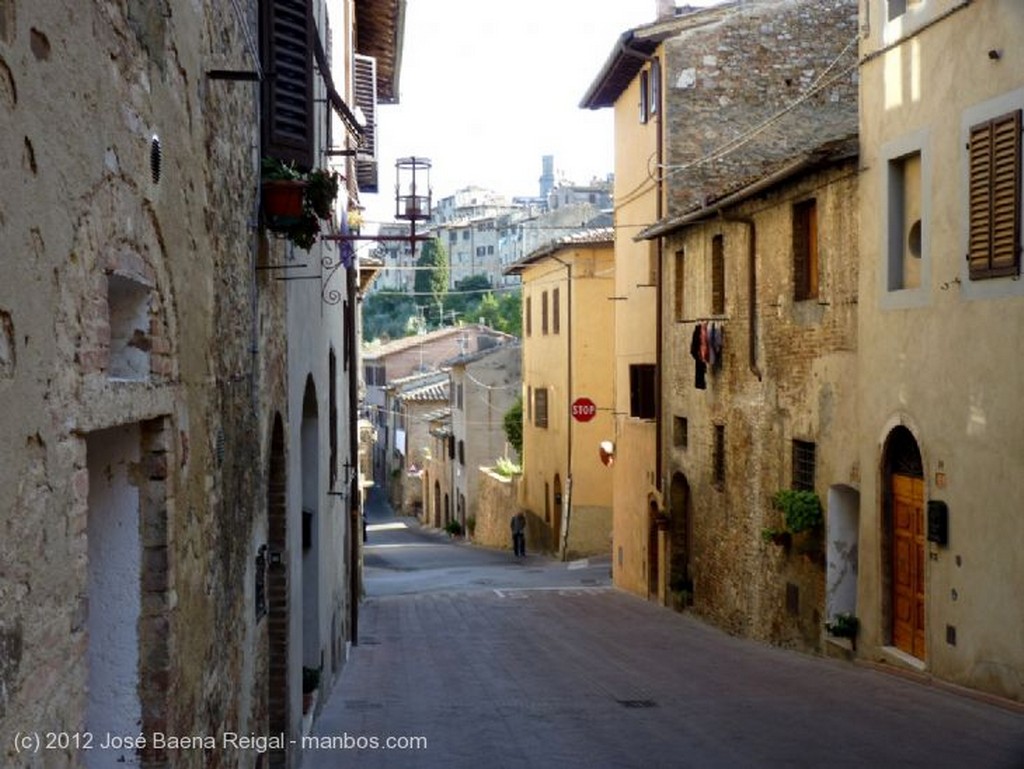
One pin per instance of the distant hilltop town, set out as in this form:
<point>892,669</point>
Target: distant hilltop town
<point>483,232</point>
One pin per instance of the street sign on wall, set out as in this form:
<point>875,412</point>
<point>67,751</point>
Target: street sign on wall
<point>583,409</point>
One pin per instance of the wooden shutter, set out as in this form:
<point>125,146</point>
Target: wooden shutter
<point>287,111</point>
<point>805,250</point>
<point>365,68</point>
<point>994,191</point>
<point>718,275</point>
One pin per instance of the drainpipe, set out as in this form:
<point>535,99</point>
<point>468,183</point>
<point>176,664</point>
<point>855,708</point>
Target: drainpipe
<point>751,288</point>
<point>567,492</point>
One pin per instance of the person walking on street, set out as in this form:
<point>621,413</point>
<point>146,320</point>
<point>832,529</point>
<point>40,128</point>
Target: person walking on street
<point>518,525</point>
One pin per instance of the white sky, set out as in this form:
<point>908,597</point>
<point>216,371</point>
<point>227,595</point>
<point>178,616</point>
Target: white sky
<point>487,88</point>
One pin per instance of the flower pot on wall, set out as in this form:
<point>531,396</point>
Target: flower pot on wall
<point>282,202</point>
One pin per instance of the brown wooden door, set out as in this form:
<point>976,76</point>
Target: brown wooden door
<point>908,564</point>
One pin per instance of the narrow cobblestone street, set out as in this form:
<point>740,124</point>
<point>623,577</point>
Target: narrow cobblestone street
<point>499,663</point>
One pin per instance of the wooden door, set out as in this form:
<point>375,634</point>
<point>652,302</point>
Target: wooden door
<point>908,564</point>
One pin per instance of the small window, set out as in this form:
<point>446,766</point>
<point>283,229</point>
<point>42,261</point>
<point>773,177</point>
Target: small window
<point>544,312</point>
<point>555,312</point>
<point>465,234</point>
<point>680,286</point>
<point>645,96</point>
<point>528,319</point>
<point>462,453</point>
<point>458,396</point>
<point>805,250</point>
<point>642,391</point>
<point>905,211</point>
<point>897,8</point>
<point>540,407</point>
<point>994,193</point>
<point>655,86</point>
<point>451,447</point>
<point>680,428</point>
<point>718,275</point>
<point>128,307</point>
<point>803,465</point>
<point>719,457</point>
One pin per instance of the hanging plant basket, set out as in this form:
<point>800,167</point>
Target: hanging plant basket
<point>283,203</point>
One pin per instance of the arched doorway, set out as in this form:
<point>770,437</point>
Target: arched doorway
<point>653,551</point>
<point>310,457</point>
<point>680,537</point>
<point>904,537</point>
<point>277,591</point>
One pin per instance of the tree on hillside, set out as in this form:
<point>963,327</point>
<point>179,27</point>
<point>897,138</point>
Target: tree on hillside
<point>432,279</point>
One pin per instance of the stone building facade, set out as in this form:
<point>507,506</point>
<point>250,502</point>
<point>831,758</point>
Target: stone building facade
<point>772,411</point>
<point>484,385</point>
<point>726,95</point>
<point>165,420</point>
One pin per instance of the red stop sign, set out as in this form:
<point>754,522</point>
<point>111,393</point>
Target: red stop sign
<point>583,409</point>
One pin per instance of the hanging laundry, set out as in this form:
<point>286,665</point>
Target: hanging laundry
<point>712,358</point>
<point>695,352</point>
<point>716,343</point>
<point>705,350</point>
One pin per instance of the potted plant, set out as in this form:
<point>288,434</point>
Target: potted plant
<point>321,192</point>
<point>801,509</point>
<point>283,194</point>
<point>294,201</point>
<point>844,625</point>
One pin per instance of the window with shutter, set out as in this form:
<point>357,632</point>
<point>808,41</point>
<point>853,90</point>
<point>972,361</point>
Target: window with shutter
<point>365,69</point>
<point>994,193</point>
<point>540,407</point>
<point>805,250</point>
<point>717,275</point>
<point>286,29</point>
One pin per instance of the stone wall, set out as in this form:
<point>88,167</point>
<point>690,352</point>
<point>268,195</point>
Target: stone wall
<point>802,389</point>
<point>742,94</point>
<point>135,303</point>
<point>496,503</point>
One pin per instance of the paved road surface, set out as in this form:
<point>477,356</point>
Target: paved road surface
<point>502,664</point>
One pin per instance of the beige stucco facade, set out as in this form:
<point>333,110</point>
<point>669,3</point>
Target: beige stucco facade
<point>567,353</point>
<point>943,367</point>
<point>634,561</point>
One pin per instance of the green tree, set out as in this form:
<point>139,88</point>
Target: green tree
<point>432,278</point>
<point>388,315</point>
<point>513,425</point>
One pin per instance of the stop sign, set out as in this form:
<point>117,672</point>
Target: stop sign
<point>583,409</point>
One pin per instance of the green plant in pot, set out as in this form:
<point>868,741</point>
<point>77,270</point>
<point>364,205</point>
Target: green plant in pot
<point>304,232</point>
<point>321,192</point>
<point>801,509</point>
<point>844,625</point>
<point>294,201</point>
<point>284,189</point>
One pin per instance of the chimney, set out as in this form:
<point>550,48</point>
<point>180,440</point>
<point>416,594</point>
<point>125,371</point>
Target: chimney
<point>666,9</point>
